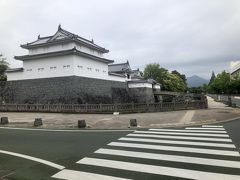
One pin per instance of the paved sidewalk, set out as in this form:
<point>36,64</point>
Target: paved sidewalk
<point>212,104</point>
<point>216,112</point>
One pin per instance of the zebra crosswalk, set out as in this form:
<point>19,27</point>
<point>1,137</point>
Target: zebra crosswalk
<point>205,152</point>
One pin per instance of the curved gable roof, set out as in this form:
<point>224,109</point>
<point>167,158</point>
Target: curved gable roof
<point>62,36</point>
<point>121,67</point>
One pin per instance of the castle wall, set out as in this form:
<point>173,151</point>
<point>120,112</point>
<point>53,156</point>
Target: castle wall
<point>142,95</point>
<point>68,90</point>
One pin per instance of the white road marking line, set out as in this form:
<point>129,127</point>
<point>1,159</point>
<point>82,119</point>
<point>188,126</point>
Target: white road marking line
<point>174,158</point>
<point>48,163</point>
<point>182,137</point>
<point>185,130</point>
<point>178,142</point>
<point>159,170</point>
<point>205,128</point>
<point>63,130</point>
<point>176,148</point>
<point>212,126</point>
<point>185,134</point>
<point>76,175</point>
<point>187,117</point>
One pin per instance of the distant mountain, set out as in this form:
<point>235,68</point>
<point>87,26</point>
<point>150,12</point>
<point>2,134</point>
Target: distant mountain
<point>196,81</point>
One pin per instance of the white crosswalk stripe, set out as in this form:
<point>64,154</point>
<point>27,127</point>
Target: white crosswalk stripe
<point>76,175</point>
<point>155,153</point>
<point>153,169</point>
<point>182,137</point>
<point>186,130</point>
<point>212,126</point>
<point>205,128</point>
<point>178,142</point>
<point>176,148</point>
<point>174,158</point>
<point>181,134</point>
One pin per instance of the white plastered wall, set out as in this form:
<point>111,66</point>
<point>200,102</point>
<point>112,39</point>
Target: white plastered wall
<point>65,46</point>
<point>44,68</point>
<point>69,65</point>
<point>86,67</point>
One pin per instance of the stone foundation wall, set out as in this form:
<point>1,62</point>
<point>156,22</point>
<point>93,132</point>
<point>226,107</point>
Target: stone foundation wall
<point>142,95</point>
<point>67,90</point>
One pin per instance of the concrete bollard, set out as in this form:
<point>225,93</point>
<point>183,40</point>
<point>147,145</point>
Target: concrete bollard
<point>81,123</point>
<point>38,122</point>
<point>4,120</point>
<point>133,122</point>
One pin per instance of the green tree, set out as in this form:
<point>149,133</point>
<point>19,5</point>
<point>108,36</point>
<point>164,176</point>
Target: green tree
<point>182,76</point>
<point>168,81</point>
<point>235,85</point>
<point>196,90</point>
<point>3,77</point>
<point>205,88</point>
<point>222,83</point>
<point>172,82</point>
<point>156,72</point>
<point>212,78</point>
<point>3,68</point>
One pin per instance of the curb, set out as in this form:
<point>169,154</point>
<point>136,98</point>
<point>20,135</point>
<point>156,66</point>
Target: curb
<point>198,124</point>
<point>175,125</point>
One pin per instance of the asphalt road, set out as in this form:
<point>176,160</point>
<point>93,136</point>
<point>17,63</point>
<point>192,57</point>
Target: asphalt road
<point>205,153</point>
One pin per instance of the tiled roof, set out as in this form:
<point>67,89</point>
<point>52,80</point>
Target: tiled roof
<point>14,70</point>
<point>150,81</point>
<point>122,67</point>
<point>63,36</point>
<point>115,74</point>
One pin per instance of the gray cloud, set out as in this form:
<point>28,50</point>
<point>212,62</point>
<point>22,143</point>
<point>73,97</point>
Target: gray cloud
<point>194,37</point>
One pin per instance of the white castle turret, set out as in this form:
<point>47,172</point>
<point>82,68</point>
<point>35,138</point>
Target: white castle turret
<point>66,68</point>
<point>63,54</point>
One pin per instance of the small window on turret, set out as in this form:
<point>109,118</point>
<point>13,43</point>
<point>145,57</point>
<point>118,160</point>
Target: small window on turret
<point>40,69</point>
<point>66,66</point>
<point>53,67</point>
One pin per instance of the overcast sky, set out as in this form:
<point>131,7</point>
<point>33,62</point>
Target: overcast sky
<point>193,37</point>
